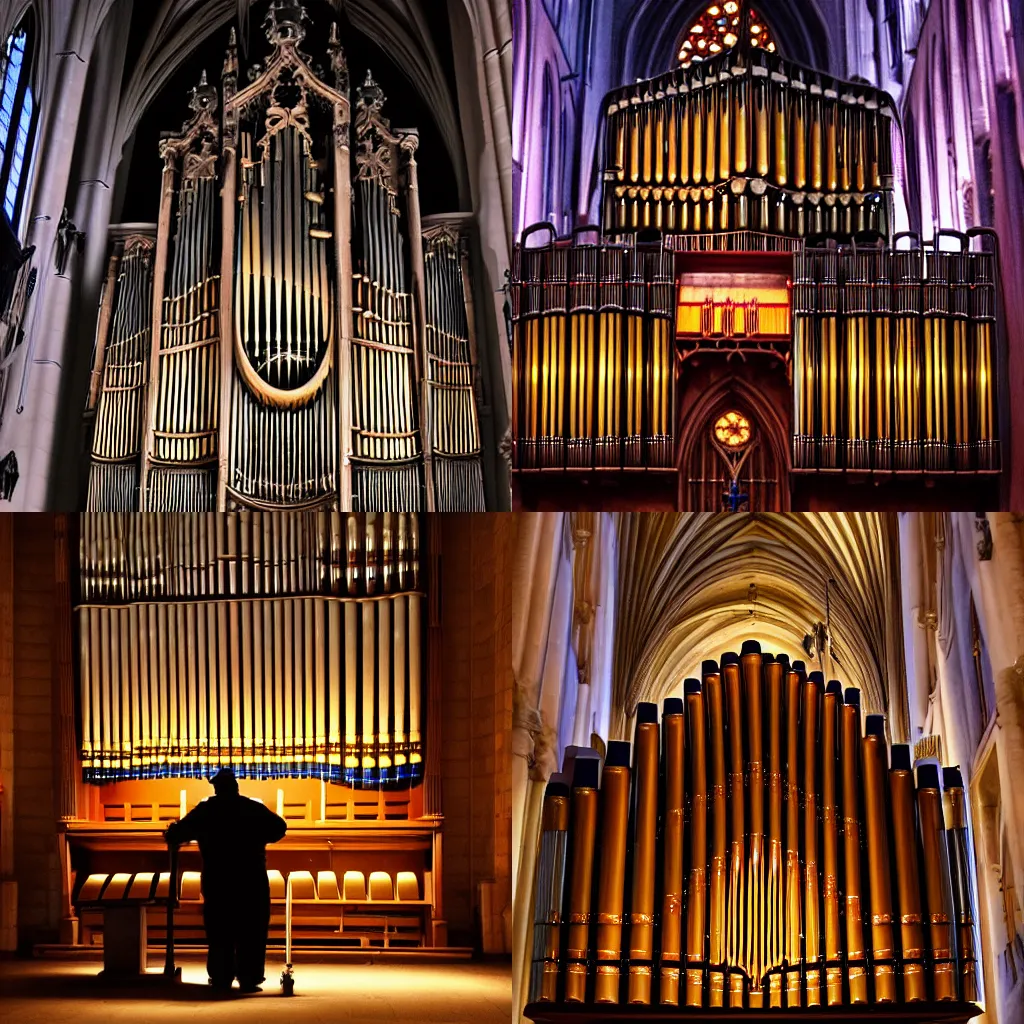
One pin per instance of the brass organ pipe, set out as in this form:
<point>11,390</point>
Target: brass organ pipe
<point>812,690</point>
<point>793,954</point>
<point>737,876</point>
<point>831,702</point>
<point>695,917</point>
<point>754,908</point>
<point>908,888</point>
<point>673,809</point>
<point>875,766</point>
<point>645,824</point>
<point>799,133</point>
<point>741,117</point>
<point>582,837</point>
<point>850,755</point>
<point>724,89</point>
<point>937,894</point>
<point>958,842</point>
<point>719,826</point>
<point>774,673</point>
<point>612,872</point>
<point>547,907</point>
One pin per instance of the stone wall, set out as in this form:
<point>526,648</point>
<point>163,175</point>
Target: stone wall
<point>29,807</point>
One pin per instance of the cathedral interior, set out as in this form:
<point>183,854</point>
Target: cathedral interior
<point>352,671</point>
<point>768,255</point>
<point>254,255</point>
<point>766,765</point>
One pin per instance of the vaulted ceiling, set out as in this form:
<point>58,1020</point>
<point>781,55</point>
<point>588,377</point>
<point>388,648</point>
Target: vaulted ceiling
<point>685,595</point>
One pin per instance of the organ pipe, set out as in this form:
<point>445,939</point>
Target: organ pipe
<point>238,641</point>
<point>740,724</point>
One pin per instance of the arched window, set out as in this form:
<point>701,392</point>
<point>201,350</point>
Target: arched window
<point>17,118</point>
<point>718,29</point>
<point>548,128</point>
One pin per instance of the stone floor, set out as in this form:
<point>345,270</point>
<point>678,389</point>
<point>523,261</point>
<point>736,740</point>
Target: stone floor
<point>465,993</point>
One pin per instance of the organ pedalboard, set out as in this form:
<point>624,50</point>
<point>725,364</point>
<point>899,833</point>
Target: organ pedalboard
<point>747,208</point>
<point>760,851</point>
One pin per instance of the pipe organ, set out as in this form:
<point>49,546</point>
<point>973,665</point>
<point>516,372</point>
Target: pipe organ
<point>746,250</point>
<point>761,848</point>
<point>290,647</point>
<point>298,336</point>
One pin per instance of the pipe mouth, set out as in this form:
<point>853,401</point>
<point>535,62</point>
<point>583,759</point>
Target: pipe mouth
<point>901,757</point>
<point>818,678</point>
<point>729,658</point>
<point>951,778</point>
<point>618,754</point>
<point>928,776</point>
<point>783,660</point>
<point>556,788</point>
<point>798,666</point>
<point>852,696</point>
<point>835,687</point>
<point>646,713</point>
<point>672,706</point>
<point>767,658</point>
<point>750,647</point>
<point>691,686</point>
<point>709,668</point>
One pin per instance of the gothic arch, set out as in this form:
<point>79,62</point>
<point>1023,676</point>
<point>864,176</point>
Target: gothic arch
<point>735,391</point>
<point>684,596</point>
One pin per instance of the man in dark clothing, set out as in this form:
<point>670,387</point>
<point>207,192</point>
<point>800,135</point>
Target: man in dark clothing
<point>232,832</point>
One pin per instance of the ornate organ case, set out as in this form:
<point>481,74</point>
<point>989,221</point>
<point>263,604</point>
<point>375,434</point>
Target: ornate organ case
<point>296,336</point>
<point>745,267</point>
<point>292,647</point>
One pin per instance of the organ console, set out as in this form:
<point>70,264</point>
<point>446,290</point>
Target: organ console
<point>747,217</point>
<point>292,648</point>
<point>763,851</point>
<point>293,332</point>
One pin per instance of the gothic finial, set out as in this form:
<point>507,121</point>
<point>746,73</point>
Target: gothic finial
<point>286,23</point>
<point>339,63</point>
<point>204,97</point>
<point>371,95</point>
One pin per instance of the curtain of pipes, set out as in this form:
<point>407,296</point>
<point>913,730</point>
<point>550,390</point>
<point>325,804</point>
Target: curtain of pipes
<point>122,359</point>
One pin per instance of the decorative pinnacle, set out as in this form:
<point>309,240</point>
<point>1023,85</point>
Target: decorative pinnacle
<point>371,94</point>
<point>204,97</point>
<point>286,23</point>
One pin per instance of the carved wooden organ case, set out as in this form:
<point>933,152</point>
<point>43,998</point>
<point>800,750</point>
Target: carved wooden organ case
<point>296,335</point>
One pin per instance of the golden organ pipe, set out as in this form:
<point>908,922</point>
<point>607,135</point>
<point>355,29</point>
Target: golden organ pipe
<point>582,837</point>
<point>958,842</point>
<point>850,755</point>
<point>697,882</point>
<point>875,767</point>
<point>831,702</point>
<point>719,827</point>
<point>938,898</point>
<point>643,855</point>
<point>908,888</point>
<point>611,872</point>
<point>547,913</point>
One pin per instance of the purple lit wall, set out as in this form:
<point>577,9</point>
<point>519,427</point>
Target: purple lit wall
<point>964,113</point>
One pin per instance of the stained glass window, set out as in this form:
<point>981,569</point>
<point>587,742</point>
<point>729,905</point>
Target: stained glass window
<point>17,119</point>
<point>718,29</point>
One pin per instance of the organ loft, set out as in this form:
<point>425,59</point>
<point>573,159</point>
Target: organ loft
<point>748,324</point>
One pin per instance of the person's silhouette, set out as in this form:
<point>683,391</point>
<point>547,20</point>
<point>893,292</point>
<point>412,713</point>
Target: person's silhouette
<point>232,832</point>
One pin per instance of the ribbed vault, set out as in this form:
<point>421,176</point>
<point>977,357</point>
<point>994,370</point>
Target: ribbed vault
<point>684,595</point>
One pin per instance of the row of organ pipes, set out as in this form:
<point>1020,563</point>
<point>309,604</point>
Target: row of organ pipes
<point>895,359</point>
<point>338,368</point>
<point>594,374</point>
<point>761,847</point>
